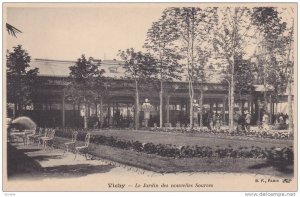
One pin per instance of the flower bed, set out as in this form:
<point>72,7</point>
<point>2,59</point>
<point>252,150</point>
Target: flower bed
<point>252,133</point>
<point>168,150</point>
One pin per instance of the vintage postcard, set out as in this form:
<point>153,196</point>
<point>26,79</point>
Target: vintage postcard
<point>150,97</point>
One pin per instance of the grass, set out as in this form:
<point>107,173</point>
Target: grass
<point>173,165</point>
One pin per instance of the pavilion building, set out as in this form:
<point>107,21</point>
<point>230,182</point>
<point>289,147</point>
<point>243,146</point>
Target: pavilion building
<point>52,108</point>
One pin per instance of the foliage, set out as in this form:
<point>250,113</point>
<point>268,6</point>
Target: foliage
<point>272,57</point>
<point>12,30</point>
<point>85,82</point>
<point>193,25</point>
<point>85,78</point>
<point>20,79</point>
<point>160,42</point>
<point>138,66</point>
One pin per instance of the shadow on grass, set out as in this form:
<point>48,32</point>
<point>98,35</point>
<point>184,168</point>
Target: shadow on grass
<point>283,167</point>
<point>46,157</point>
<point>75,170</point>
<point>19,165</point>
<point>30,150</point>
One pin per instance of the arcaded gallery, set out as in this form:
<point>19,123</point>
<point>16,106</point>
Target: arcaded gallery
<point>52,108</point>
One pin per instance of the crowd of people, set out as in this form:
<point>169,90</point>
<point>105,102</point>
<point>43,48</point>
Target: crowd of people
<point>243,121</point>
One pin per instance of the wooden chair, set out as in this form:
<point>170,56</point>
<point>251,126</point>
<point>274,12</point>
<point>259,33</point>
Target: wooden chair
<point>84,148</point>
<point>74,139</point>
<point>48,138</point>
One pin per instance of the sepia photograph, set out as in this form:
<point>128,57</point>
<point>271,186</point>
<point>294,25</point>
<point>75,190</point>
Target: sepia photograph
<point>149,97</point>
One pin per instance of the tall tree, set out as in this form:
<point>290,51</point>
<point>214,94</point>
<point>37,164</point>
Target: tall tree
<point>273,46</point>
<point>160,42</point>
<point>82,82</point>
<point>230,42</point>
<point>100,93</point>
<point>194,26</point>
<point>138,67</point>
<point>201,75</point>
<point>20,79</point>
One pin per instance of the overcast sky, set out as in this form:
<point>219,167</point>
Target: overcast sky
<point>96,30</point>
<point>66,33</point>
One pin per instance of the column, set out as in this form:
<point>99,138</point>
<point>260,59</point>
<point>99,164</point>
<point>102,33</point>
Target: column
<point>128,112</point>
<point>223,111</point>
<point>211,106</point>
<point>108,113</point>
<point>63,109</point>
<point>271,110</point>
<point>201,109</point>
<point>168,108</point>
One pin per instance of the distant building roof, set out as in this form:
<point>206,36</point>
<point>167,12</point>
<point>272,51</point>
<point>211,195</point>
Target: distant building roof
<point>113,68</point>
<point>60,68</point>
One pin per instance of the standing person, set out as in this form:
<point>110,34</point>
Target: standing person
<point>281,119</point>
<point>265,121</point>
<point>236,120</point>
<point>248,121</point>
<point>218,122</point>
<point>214,119</point>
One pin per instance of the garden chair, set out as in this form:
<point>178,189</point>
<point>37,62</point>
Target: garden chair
<point>84,148</point>
<point>48,138</point>
<point>72,143</point>
<point>34,137</point>
<point>44,133</point>
<point>28,134</point>
<point>12,134</point>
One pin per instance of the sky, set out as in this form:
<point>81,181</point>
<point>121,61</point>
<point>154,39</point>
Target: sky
<point>64,33</point>
<point>67,31</point>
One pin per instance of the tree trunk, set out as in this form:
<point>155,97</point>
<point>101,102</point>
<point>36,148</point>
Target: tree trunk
<point>290,110</point>
<point>191,111</point>
<point>101,112</point>
<point>137,110</point>
<point>161,105</point>
<point>85,114</point>
<point>96,109</point>
<point>201,107</point>
<point>15,111</point>
<point>232,72</point>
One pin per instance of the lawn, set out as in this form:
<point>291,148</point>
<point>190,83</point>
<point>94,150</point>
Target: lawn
<point>160,164</point>
<point>185,139</point>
